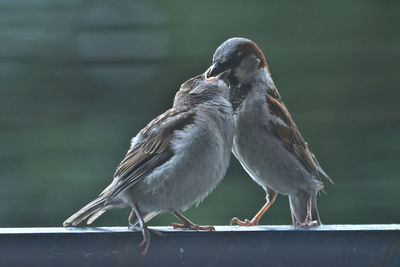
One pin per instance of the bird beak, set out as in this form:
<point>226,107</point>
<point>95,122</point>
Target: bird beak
<point>214,70</point>
<point>221,74</point>
<point>224,75</point>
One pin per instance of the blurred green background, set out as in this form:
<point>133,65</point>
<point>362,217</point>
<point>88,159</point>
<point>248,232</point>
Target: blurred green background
<point>79,78</point>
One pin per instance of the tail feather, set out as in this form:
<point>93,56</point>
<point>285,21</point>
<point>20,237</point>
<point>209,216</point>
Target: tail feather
<point>94,208</point>
<point>96,215</point>
<point>321,171</point>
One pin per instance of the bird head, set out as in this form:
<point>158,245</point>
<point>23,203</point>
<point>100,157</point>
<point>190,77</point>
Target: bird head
<point>241,55</point>
<point>200,89</point>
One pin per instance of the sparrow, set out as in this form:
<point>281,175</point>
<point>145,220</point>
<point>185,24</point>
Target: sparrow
<point>267,142</point>
<point>174,162</point>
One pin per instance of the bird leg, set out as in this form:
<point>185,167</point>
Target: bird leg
<point>294,222</point>
<point>142,227</point>
<point>308,222</point>
<point>188,224</point>
<point>271,196</point>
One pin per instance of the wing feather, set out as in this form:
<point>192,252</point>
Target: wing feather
<point>152,150</point>
<point>290,135</point>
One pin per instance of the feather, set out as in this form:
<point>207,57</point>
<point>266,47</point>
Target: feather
<point>290,135</point>
<point>92,208</point>
<point>152,150</point>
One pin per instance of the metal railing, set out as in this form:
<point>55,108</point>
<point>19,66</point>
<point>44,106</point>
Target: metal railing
<point>328,245</point>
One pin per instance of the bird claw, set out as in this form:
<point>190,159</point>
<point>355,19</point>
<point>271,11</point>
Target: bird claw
<point>146,241</point>
<point>246,222</point>
<point>306,224</point>
<point>136,228</point>
<point>194,227</point>
<point>158,233</point>
<point>146,237</point>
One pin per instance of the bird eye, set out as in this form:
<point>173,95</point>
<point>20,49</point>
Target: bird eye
<point>195,83</point>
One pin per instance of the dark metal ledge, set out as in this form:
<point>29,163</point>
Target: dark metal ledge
<point>328,245</point>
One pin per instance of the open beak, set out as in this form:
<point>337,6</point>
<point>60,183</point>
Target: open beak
<point>214,70</point>
<point>224,75</point>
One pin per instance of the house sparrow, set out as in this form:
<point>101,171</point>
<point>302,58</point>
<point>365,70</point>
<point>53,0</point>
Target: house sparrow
<point>175,161</point>
<point>267,141</point>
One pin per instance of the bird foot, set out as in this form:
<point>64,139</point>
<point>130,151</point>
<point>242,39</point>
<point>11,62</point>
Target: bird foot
<point>134,228</point>
<point>306,224</point>
<point>146,236</point>
<point>146,241</point>
<point>137,228</point>
<point>192,226</point>
<point>246,222</point>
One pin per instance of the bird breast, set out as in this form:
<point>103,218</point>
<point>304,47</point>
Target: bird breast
<point>201,156</point>
<point>262,154</point>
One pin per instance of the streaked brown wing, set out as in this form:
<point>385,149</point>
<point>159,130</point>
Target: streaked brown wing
<point>290,135</point>
<point>152,150</point>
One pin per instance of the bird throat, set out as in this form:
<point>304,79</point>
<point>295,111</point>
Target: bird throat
<point>238,94</point>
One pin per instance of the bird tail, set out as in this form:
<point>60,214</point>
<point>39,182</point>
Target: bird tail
<point>320,170</point>
<point>298,206</point>
<point>94,209</point>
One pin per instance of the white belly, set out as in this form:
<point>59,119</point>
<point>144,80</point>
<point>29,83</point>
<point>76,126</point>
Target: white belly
<point>263,155</point>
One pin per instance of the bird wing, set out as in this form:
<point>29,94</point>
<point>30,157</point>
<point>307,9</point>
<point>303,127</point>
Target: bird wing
<point>290,135</point>
<point>152,149</point>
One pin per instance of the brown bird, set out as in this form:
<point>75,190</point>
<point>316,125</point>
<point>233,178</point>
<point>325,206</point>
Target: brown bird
<point>175,161</point>
<point>267,141</point>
